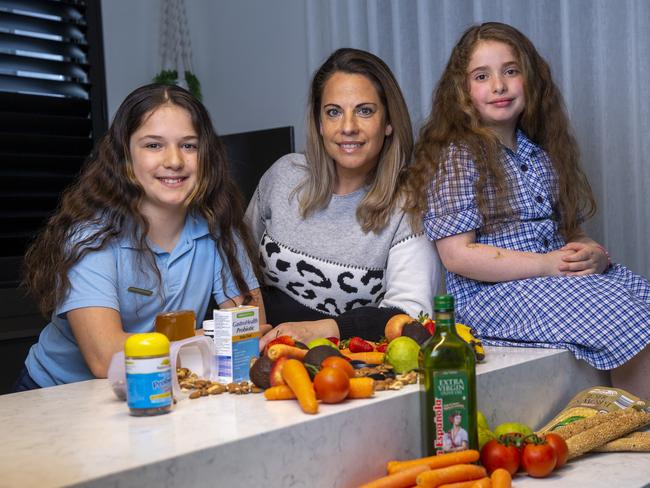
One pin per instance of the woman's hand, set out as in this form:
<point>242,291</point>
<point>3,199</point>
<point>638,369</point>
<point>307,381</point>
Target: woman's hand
<point>302,331</point>
<point>586,258</point>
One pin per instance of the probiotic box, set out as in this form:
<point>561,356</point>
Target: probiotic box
<point>236,341</point>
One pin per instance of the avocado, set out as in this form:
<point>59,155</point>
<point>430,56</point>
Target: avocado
<point>317,355</point>
<point>260,372</point>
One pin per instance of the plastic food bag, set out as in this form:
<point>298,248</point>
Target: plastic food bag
<point>195,353</point>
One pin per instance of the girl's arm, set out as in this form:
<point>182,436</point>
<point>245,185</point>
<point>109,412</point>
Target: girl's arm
<point>99,334</point>
<point>462,255</point>
<point>588,257</point>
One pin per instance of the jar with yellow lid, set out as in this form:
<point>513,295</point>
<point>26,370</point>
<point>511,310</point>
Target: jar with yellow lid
<point>148,374</point>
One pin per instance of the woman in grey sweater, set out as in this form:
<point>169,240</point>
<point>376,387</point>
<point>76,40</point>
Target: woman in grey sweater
<point>338,254</point>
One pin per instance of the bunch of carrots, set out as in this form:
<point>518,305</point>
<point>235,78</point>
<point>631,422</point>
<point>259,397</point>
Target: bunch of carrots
<point>299,386</point>
<point>452,470</point>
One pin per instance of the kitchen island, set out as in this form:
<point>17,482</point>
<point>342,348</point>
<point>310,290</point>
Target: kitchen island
<point>81,434</point>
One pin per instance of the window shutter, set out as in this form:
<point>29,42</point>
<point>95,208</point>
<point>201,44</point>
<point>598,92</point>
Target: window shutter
<point>52,109</point>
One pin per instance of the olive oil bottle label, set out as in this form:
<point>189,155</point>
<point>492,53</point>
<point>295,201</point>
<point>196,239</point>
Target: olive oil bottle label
<point>451,411</point>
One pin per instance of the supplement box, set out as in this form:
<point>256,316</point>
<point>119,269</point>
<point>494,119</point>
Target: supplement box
<point>236,341</point>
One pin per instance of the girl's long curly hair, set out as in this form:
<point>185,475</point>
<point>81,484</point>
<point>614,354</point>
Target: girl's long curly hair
<point>455,121</point>
<point>387,180</point>
<point>105,200</point>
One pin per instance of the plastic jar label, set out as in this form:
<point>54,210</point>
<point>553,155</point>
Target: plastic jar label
<point>148,382</point>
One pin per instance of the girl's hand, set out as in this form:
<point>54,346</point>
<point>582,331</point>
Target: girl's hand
<point>302,331</point>
<point>554,261</point>
<point>586,258</point>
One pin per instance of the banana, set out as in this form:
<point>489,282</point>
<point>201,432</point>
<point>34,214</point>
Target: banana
<point>467,334</point>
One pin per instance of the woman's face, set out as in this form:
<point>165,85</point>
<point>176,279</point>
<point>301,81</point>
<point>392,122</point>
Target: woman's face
<point>457,419</point>
<point>353,125</point>
<point>164,154</point>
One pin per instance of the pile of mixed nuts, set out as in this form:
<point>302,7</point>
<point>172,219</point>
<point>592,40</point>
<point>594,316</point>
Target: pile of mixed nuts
<point>199,387</point>
<point>385,378</point>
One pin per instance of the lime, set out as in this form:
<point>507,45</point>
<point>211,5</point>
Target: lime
<point>402,354</point>
<point>484,435</point>
<point>321,342</point>
<point>481,421</point>
<point>512,427</point>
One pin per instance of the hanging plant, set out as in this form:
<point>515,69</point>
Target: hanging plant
<point>170,77</point>
<point>175,49</point>
<point>193,84</point>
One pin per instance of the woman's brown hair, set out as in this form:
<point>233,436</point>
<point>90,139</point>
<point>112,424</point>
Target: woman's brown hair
<point>103,204</point>
<point>315,192</point>
<point>455,121</point>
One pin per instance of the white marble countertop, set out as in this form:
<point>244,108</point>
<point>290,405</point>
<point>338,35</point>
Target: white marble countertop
<point>80,434</point>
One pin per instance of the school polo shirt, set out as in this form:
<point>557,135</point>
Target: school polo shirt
<point>188,275</point>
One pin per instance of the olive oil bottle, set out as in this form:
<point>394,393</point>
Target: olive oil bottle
<point>448,382</point>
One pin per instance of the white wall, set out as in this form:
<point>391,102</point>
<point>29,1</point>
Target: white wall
<point>249,56</point>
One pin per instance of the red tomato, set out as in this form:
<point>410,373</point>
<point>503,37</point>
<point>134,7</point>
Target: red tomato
<point>538,460</point>
<point>332,385</point>
<point>497,455</point>
<point>559,446</point>
<point>513,439</point>
<point>337,362</point>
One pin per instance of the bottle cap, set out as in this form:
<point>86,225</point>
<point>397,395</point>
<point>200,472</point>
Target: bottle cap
<point>150,344</point>
<point>208,325</point>
<point>443,303</point>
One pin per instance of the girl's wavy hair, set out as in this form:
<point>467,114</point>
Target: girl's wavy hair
<point>103,204</point>
<point>455,121</point>
<point>385,181</point>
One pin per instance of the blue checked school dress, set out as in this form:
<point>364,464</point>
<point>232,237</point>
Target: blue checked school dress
<point>602,318</point>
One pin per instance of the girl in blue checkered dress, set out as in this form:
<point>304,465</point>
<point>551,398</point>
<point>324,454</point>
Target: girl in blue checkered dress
<point>498,181</point>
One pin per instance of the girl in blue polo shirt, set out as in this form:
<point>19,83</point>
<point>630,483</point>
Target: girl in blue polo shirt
<point>153,224</point>
<point>498,181</point>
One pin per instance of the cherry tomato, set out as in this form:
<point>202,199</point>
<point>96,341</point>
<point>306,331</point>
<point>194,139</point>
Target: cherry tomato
<point>538,459</point>
<point>495,454</point>
<point>559,446</point>
<point>332,385</point>
<point>337,362</point>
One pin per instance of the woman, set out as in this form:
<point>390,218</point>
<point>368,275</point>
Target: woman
<point>153,224</point>
<point>338,256</point>
<point>456,438</point>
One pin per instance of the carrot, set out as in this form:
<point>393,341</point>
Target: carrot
<point>362,387</point>
<point>450,474</point>
<point>297,377</point>
<point>277,351</point>
<point>280,392</point>
<point>373,357</point>
<point>459,484</point>
<point>483,483</point>
<point>436,462</point>
<point>501,478</point>
<point>403,479</point>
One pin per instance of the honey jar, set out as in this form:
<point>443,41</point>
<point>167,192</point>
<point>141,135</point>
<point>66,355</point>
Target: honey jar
<point>176,325</point>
